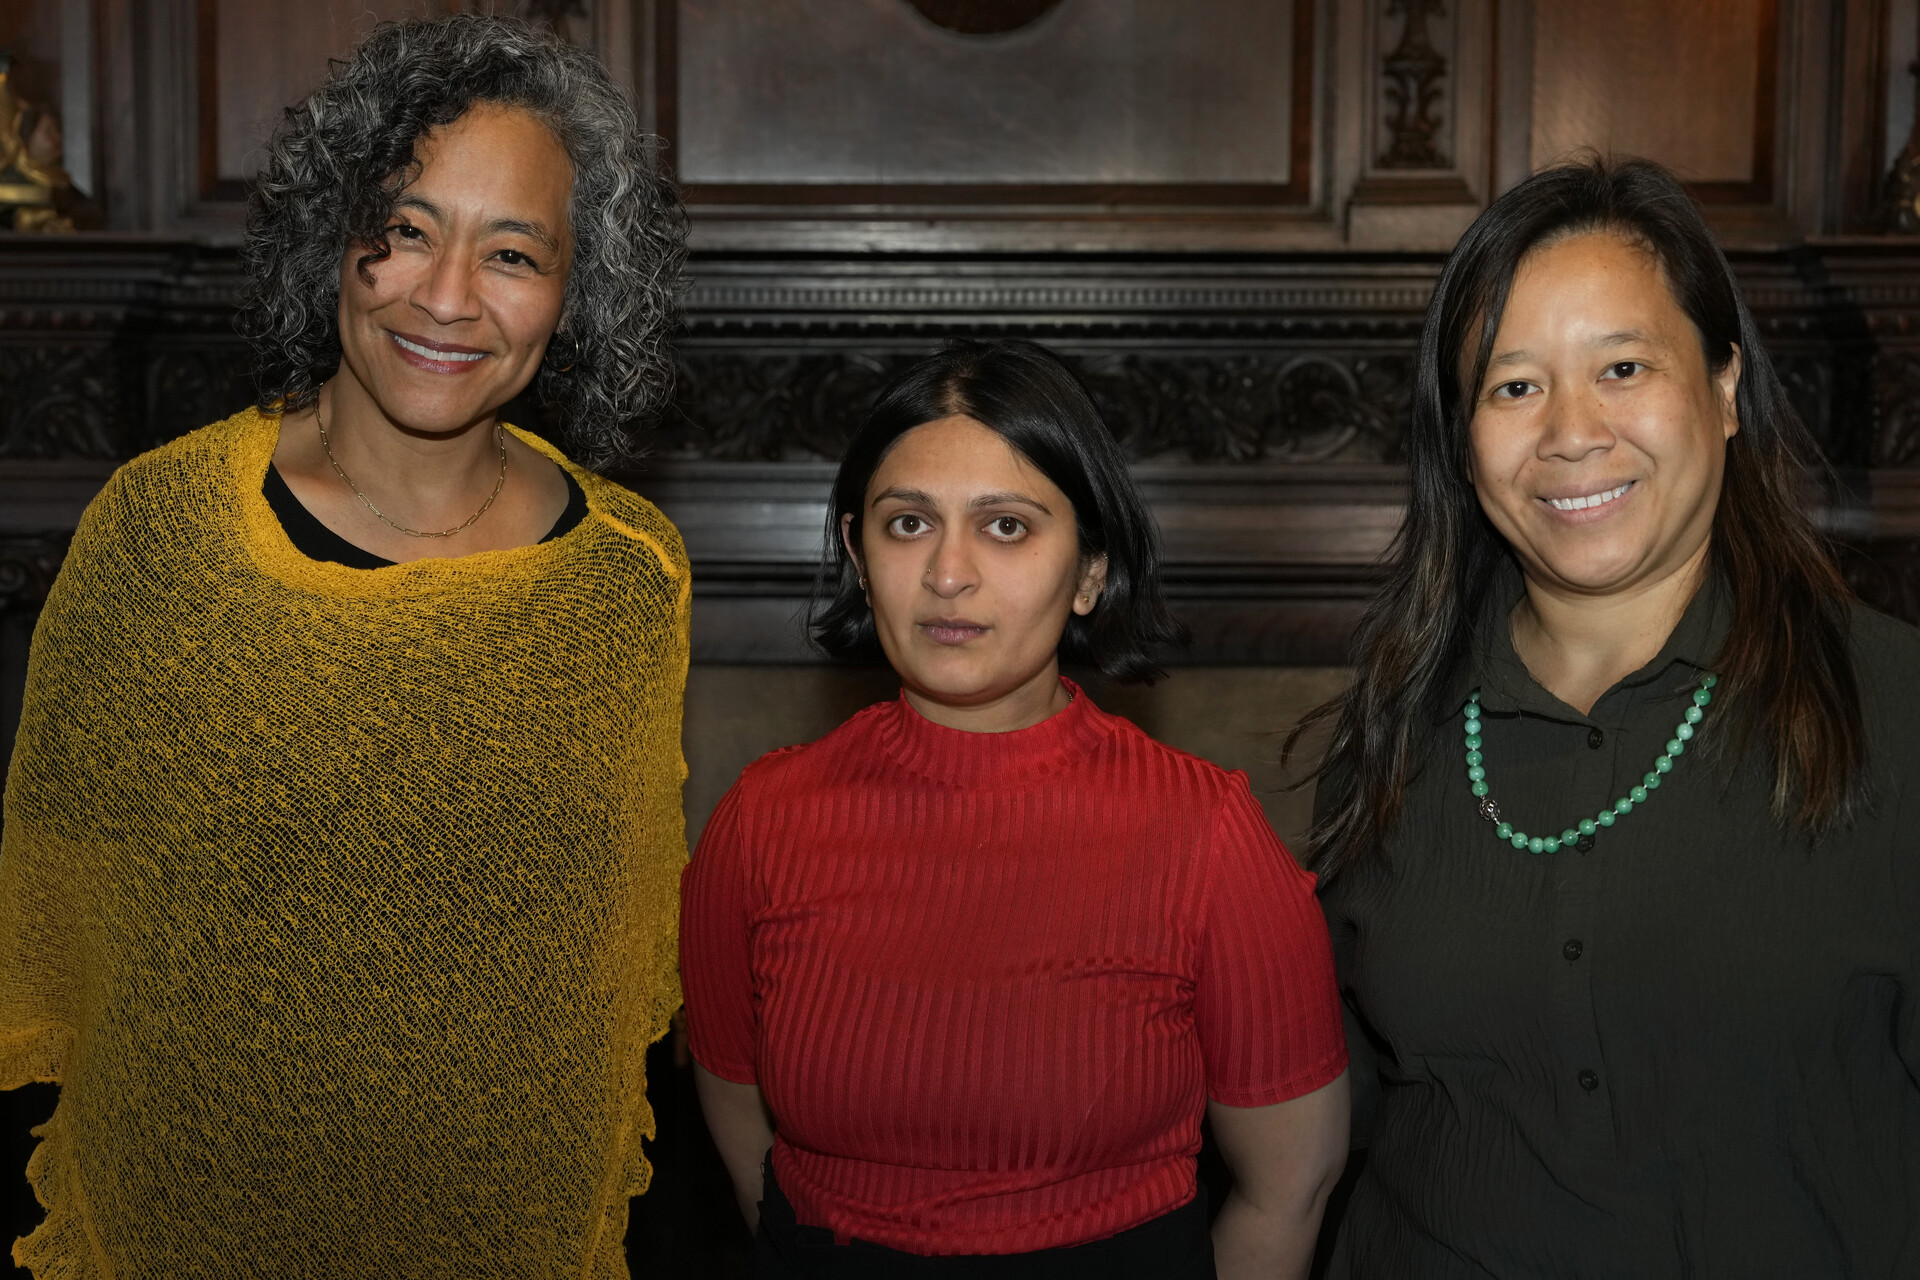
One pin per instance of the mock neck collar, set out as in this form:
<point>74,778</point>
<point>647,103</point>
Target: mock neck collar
<point>963,758</point>
<point>1505,684</point>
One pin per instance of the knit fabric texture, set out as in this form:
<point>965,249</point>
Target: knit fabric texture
<point>341,902</point>
<point>987,982</point>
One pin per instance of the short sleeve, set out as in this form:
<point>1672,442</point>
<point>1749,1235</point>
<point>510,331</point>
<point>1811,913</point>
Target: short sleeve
<point>1364,1055</point>
<point>1265,1004</point>
<point>716,958</point>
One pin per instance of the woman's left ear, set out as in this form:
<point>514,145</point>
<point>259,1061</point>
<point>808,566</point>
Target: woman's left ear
<point>1093,580</point>
<point>853,554</point>
<point>1728,384</point>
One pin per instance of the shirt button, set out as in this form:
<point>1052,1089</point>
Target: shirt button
<point>1596,739</point>
<point>1589,1080</point>
<point>1573,949</point>
<point>1584,844</point>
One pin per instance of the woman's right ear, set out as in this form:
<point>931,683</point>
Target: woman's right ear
<point>853,552</point>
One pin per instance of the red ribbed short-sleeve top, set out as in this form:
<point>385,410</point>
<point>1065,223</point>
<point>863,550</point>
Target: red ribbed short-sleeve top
<point>987,982</point>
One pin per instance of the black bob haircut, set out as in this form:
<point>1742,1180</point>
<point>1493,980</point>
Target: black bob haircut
<point>1021,391</point>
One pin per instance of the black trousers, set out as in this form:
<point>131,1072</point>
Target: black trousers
<point>1174,1246</point>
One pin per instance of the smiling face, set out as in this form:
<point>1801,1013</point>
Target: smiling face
<point>972,561</point>
<point>1598,436</point>
<point>458,317</point>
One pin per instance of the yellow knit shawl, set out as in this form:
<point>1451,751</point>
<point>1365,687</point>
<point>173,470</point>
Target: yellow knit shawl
<point>342,903</point>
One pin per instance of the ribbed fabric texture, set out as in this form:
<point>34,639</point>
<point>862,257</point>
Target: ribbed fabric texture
<point>342,903</point>
<point>987,982</point>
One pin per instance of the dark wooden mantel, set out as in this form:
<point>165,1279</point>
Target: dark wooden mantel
<point>1263,397</point>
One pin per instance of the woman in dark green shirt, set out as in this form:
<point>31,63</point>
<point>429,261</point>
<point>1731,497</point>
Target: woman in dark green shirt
<point>1619,831</point>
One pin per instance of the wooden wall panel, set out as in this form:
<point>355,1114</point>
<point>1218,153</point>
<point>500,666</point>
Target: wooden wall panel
<point>1136,125</point>
<point>1158,102</point>
<point>1690,85</point>
<point>256,59</point>
<point>1156,92</point>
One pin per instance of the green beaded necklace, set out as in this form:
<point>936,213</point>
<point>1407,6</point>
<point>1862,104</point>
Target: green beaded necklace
<point>1662,764</point>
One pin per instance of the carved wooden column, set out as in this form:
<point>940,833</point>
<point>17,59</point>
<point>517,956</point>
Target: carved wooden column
<point>1427,161</point>
<point>1413,87</point>
<point>1900,193</point>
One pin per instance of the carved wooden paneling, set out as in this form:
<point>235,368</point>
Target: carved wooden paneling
<point>1425,153</point>
<point>61,402</point>
<point>109,348</point>
<point>1226,125</point>
<point>27,568</point>
<point>1886,574</point>
<point>1287,405</point>
<point>1413,87</point>
<point>1690,85</point>
<point>1263,400</point>
<point>1880,543</point>
<point>1866,315</point>
<point>1268,361</point>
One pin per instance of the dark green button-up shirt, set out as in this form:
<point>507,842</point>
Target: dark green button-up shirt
<point>1691,1051</point>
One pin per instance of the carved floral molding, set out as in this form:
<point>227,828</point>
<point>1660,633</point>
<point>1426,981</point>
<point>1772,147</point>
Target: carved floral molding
<point>1252,392</point>
<point>1412,84</point>
<point>1290,405</point>
<point>27,568</point>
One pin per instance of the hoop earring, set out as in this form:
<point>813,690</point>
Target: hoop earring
<point>571,351</point>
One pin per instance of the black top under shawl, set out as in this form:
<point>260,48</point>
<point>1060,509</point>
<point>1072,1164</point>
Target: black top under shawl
<point>317,542</point>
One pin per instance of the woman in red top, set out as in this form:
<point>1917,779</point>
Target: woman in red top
<point>975,964</point>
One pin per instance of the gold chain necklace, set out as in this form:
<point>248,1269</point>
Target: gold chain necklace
<point>499,438</point>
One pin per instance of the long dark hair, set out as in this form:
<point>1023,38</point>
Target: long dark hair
<point>1021,391</point>
<point>1785,670</point>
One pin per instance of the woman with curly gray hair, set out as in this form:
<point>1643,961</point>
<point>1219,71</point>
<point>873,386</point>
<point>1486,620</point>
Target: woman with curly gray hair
<point>340,872</point>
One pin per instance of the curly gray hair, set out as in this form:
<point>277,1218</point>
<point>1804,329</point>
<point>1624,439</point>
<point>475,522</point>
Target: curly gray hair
<point>340,159</point>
